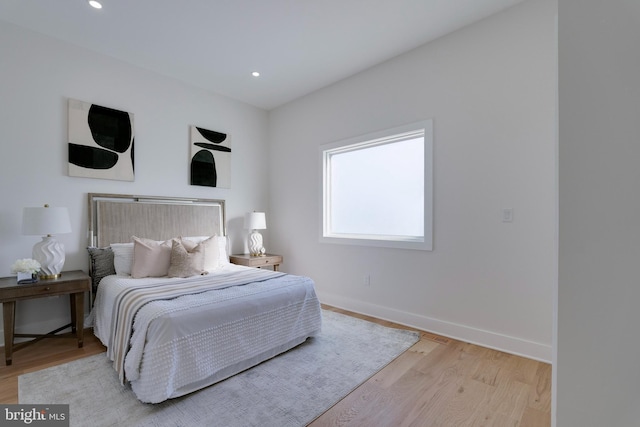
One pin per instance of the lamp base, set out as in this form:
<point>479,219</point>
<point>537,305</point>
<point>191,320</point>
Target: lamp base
<point>50,276</point>
<point>255,243</point>
<point>50,254</point>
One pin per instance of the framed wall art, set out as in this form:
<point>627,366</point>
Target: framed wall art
<point>101,142</point>
<point>210,158</point>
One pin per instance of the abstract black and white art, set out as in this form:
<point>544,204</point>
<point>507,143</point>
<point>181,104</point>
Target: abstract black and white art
<point>100,142</point>
<point>210,158</point>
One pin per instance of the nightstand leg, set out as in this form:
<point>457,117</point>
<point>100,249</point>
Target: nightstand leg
<point>72,303</point>
<point>78,316</point>
<point>9,318</point>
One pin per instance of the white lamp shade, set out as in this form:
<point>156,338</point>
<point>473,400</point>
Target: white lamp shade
<point>45,221</point>
<point>255,221</point>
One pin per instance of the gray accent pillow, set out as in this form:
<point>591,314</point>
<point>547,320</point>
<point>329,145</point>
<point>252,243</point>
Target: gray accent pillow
<point>101,264</point>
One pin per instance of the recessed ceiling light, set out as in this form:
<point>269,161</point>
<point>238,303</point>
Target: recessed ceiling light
<point>255,74</point>
<point>95,4</point>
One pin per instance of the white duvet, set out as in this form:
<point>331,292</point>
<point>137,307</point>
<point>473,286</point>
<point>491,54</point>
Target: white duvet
<point>186,343</point>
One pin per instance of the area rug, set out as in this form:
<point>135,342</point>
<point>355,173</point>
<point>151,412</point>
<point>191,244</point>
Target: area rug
<point>289,390</point>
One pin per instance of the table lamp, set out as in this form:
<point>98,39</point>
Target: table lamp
<point>46,222</point>
<point>255,221</point>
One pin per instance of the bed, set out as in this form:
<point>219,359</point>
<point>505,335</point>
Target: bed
<point>170,336</point>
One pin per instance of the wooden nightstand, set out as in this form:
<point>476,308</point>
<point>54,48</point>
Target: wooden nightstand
<point>72,283</point>
<point>265,260</point>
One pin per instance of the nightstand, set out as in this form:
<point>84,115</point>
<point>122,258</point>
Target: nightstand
<point>72,283</point>
<point>266,260</point>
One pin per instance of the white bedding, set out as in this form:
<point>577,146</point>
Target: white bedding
<point>186,343</point>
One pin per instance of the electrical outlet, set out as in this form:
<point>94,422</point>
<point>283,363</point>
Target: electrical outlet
<point>367,280</point>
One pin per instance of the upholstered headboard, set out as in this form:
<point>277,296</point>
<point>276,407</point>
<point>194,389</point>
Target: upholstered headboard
<point>114,218</point>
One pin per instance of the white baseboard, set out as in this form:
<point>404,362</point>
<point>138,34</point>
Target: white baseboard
<point>496,341</point>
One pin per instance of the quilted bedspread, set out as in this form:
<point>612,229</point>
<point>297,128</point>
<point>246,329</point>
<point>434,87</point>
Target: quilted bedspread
<point>169,337</point>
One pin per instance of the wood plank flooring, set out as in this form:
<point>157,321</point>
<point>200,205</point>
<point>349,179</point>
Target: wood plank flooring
<point>445,382</point>
<point>437,382</point>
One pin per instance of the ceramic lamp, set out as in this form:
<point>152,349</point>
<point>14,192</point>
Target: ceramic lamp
<point>255,221</point>
<point>46,222</point>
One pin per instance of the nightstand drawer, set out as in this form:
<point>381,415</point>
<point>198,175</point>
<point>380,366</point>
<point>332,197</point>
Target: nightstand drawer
<point>262,261</point>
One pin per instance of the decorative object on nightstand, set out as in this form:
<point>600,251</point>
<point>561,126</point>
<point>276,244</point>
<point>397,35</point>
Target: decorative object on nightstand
<point>27,270</point>
<point>255,221</point>
<point>46,222</point>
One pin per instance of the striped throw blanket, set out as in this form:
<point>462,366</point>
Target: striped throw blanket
<point>134,298</point>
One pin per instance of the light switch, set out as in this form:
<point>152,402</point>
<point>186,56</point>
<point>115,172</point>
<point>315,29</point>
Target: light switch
<point>507,215</point>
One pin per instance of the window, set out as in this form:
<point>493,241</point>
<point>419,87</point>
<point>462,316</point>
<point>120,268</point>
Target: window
<point>377,189</point>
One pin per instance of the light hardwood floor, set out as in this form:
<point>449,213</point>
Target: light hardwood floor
<point>437,382</point>
<point>445,382</point>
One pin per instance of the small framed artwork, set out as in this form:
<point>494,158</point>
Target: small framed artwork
<point>100,142</point>
<point>210,158</point>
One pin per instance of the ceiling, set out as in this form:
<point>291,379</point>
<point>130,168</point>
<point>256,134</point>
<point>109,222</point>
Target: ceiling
<point>298,46</point>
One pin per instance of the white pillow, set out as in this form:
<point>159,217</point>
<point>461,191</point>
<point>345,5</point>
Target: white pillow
<point>122,258</point>
<point>223,256</point>
<point>151,258</point>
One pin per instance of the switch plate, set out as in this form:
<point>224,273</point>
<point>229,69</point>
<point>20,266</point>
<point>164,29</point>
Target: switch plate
<point>507,215</point>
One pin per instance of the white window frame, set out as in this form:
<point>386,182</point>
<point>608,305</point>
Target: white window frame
<point>424,242</point>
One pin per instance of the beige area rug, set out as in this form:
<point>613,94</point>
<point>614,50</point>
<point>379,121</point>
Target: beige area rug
<point>289,390</point>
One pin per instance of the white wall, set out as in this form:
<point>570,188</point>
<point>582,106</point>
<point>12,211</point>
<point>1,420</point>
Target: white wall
<point>37,75</point>
<point>490,89</point>
<point>598,354</point>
